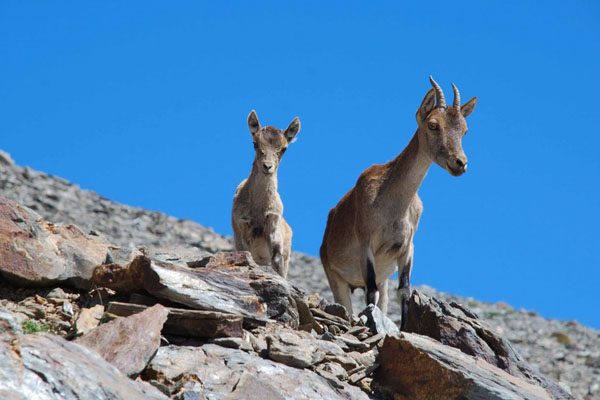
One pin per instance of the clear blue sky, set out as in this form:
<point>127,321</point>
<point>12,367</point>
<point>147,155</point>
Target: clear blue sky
<point>146,103</point>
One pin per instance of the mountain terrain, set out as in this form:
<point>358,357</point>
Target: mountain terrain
<point>565,351</point>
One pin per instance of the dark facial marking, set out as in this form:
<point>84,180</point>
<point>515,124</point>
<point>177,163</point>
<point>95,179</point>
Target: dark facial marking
<point>258,231</point>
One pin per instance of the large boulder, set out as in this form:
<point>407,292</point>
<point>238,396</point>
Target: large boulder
<point>416,367</point>
<point>454,325</point>
<point>34,252</point>
<point>227,282</point>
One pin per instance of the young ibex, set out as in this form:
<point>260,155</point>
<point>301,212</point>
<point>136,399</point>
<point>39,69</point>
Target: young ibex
<point>257,214</point>
<point>370,231</point>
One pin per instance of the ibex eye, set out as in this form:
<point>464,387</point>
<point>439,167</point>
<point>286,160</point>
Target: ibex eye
<point>433,125</point>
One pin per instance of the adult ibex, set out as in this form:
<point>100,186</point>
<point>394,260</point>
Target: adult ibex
<point>257,214</point>
<point>370,231</point>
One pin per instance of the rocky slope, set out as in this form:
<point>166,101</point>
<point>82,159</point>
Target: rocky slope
<point>565,351</point>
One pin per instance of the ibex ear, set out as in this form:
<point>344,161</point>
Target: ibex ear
<point>427,105</point>
<point>253,123</point>
<point>467,108</point>
<point>292,130</point>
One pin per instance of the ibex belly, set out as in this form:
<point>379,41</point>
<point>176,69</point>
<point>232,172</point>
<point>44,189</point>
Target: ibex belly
<point>389,244</point>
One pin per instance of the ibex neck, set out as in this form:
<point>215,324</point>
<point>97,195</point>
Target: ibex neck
<point>261,184</point>
<point>408,170</point>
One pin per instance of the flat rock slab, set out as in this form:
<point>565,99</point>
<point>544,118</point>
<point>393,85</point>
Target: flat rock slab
<point>289,348</point>
<point>37,253</point>
<point>454,325</point>
<point>229,282</point>
<point>419,368</point>
<point>47,367</point>
<point>128,343</point>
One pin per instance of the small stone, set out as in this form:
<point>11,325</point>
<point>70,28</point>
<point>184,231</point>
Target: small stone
<point>38,311</point>
<point>67,308</point>
<point>258,343</point>
<point>338,310</point>
<point>357,330</point>
<point>346,362</point>
<point>246,344</point>
<point>377,321</point>
<point>5,159</point>
<point>88,319</point>
<point>334,369</point>
<point>229,342</point>
<point>374,339</point>
<point>353,342</point>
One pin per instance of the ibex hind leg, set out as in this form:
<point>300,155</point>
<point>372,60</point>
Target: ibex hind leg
<point>340,289</point>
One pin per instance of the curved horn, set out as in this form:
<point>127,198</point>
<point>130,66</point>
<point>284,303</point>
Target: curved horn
<point>456,98</point>
<point>439,95</point>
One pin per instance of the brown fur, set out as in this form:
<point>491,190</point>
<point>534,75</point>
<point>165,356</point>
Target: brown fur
<point>257,214</point>
<point>374,223</point>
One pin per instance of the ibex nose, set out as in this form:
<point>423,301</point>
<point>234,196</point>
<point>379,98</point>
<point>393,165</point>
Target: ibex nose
<point>461,162</point>
<point>267,167</point>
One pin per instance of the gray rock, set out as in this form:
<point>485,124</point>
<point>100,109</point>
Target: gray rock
<point>172,361</point>
<point>338,310</point>
<point>290,349</point>
<point>57,293</point>
<point>9,324</point>
<point>44,366</point>
<point>377,321</point>
<point>223,369</point>
<point>231,342</point>
<point>5,159</point>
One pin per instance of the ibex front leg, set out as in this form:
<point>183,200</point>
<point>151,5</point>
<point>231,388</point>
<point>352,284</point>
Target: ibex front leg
<point>404,268</point>
<point>274,234</point>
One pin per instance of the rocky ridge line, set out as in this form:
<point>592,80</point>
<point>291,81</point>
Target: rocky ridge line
<point>565,350</point>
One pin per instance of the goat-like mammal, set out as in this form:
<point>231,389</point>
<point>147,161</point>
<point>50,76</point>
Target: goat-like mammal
<point>370,231</point>
<point>257,214</point>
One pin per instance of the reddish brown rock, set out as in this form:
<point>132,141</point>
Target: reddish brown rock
<point>37,253</point>
<point>416,367</point>
<point>192,323</point>
<point>128,343</point>
<point>122,278</point>
<point>454,325</point>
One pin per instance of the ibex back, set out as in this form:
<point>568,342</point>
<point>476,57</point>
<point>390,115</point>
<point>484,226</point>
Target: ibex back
<point>370,231</point>
<point>257,214</point>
